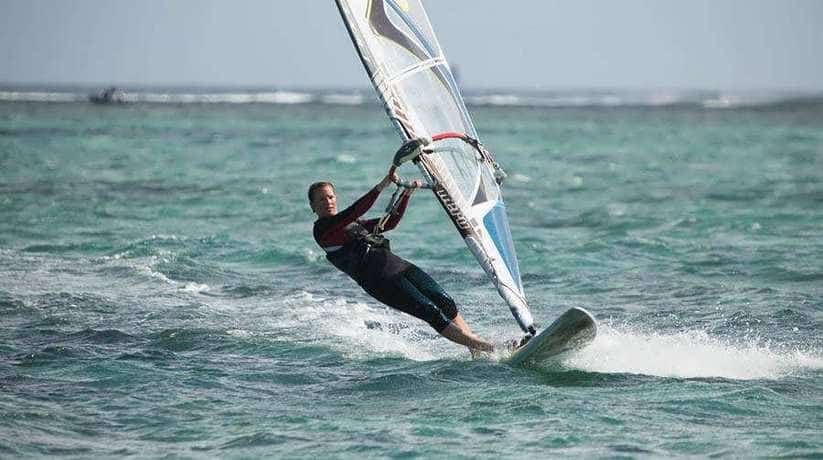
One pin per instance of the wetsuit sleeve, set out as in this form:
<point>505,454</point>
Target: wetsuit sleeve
<point>401,208</point>
<point>330,231</point>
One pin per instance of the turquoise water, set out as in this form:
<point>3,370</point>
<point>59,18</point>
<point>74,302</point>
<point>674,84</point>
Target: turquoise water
<point>161,294</point>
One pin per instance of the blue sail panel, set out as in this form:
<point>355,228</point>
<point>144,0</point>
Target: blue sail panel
<point>497,224</point>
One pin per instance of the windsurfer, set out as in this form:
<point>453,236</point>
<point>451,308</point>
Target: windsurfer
<point>353,247</point>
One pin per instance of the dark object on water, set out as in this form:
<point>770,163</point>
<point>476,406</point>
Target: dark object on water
<point>110,95</point>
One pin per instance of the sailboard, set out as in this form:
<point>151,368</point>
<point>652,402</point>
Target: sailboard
<point>406,65</point>
<point>571,331</point>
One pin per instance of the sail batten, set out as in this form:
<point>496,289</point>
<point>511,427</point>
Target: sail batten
<point>410,73</point>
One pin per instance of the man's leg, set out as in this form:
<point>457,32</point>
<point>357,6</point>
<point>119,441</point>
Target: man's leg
<point>459,332</point>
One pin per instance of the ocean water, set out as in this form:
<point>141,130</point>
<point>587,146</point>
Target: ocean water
<point>161,294</point>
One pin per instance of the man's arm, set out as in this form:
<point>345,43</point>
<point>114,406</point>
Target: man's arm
<point>394,219</point>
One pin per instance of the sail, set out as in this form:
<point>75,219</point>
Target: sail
<point>404,61</point>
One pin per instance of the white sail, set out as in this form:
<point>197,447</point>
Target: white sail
<point>403,58</point>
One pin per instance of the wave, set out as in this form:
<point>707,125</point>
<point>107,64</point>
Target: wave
<point>278,97</point>
<point>643,99</point>
<point>709,100</point>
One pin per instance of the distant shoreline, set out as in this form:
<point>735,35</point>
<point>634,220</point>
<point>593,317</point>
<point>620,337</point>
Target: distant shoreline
<point>561,98</point>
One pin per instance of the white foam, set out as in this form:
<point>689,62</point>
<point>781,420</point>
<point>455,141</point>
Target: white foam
<point>343,99</point>
<point>151,272</point>
<point>521,178</point>
<point>312,255</point>
<point>241,333</point>
<point>195,287</point>
<point>275,97</point>
<point>365,329</point>
<point>360,330</point>
<point>41,96</point>
<point>346,158</point>
<point>691,354</point>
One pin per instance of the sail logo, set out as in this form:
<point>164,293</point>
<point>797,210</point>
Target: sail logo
<point>454,211</point>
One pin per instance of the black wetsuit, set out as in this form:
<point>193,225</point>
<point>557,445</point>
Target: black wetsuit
<point>388,278</point>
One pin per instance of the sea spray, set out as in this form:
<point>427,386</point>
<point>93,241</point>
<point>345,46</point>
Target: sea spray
<point>688,354</point>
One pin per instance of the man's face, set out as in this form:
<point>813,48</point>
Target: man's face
<point>324,202</point>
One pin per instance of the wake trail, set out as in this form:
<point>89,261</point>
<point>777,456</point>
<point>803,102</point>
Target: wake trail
<point>689,354</point>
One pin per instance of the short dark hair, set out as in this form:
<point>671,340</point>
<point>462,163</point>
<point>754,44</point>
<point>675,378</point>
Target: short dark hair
<point>316,186</point>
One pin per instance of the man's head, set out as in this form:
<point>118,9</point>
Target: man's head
<point>323,199</point>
